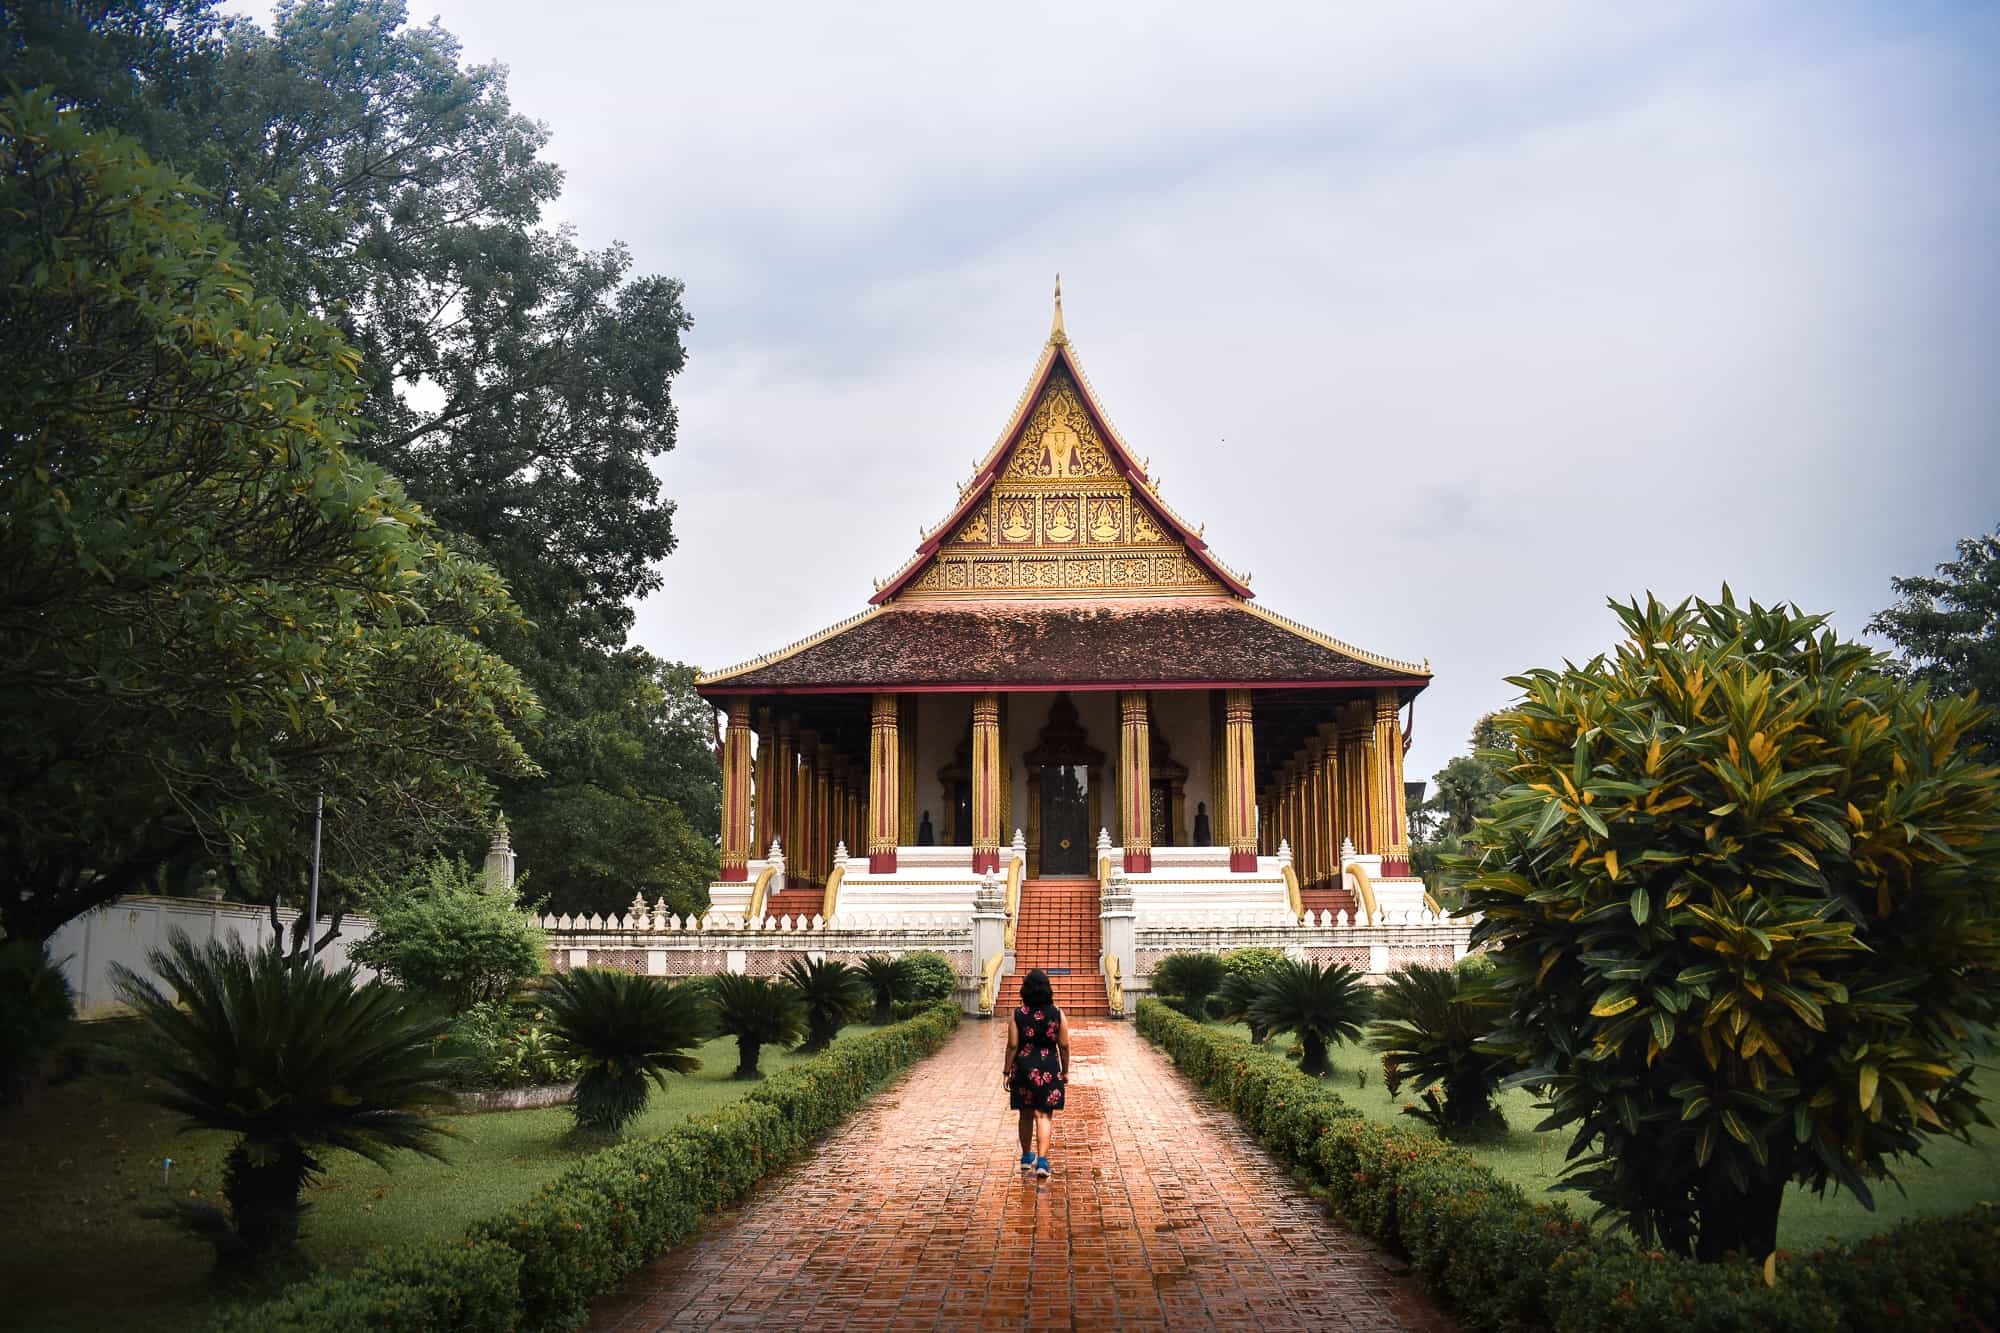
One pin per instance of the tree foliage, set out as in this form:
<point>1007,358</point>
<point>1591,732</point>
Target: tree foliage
<point>211,612</point>
<point>445,934</point>
<point>1320,1005</point>
<point>1948,628</point>
<point>1745,889</point>
<point>758,1012</point>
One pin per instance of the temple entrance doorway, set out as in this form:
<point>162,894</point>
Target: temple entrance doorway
<point>1065,804</point>
<point>1065,820</point>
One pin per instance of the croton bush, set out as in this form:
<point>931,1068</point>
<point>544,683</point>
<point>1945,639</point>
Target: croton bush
<point>1744,896</point>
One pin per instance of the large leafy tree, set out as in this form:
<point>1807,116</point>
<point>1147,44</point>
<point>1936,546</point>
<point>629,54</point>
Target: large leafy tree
<point>1948,627</point>
<point>1745,893</point>
<point>211,613</point>
<point>1462,793</point>
<point>517,383</point>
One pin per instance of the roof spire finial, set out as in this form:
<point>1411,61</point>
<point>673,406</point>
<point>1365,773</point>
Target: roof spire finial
<point>1056,334</point>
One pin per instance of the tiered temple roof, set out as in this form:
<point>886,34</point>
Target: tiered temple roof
<point>1061,566</point>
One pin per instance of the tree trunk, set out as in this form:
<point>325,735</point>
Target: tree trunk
<point>1312,1055</point>
<point>746,1057</point>
<point>1742,1224</point>
<point>263,1198</point>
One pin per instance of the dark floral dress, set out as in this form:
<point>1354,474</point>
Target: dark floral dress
<point>1038,1080</point>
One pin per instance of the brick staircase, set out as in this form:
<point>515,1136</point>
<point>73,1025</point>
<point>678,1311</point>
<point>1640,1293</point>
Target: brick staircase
<point>1059,932</point>
<point>795,902</point>
<point>1329,900</point>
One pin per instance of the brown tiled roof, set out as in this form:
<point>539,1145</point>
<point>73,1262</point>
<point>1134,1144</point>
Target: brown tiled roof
<point>1114,641</point>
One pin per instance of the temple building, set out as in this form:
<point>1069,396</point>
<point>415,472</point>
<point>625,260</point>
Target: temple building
<point>1063,663</point>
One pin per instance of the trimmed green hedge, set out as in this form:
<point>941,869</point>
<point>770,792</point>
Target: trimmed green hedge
<point>1501,1260</point>
<point>539,1265</point>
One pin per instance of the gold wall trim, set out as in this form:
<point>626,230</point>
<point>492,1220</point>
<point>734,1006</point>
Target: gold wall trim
<point>1337,645</point>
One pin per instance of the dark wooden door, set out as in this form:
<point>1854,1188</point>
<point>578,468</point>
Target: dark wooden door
<point>1065,820</point>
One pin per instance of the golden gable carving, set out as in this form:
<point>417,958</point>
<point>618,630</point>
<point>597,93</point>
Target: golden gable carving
<point>1059,443</point>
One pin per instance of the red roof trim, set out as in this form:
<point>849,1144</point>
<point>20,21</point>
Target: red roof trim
<point>722,689</point>
<point>1127,469</point>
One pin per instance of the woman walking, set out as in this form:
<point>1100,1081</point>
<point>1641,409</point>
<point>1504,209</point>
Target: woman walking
<point>1036,1068</point>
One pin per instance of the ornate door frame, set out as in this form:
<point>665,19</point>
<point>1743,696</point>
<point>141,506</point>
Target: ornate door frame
<point>1063,740</point>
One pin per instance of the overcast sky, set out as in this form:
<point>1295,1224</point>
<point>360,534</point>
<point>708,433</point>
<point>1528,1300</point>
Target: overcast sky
<point>1450,321</point>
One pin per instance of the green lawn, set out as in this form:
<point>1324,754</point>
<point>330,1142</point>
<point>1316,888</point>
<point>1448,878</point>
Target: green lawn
<point>1958,1176</point>
<point>80,1160</point>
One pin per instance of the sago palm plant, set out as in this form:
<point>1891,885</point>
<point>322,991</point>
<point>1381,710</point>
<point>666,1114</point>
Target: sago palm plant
<point>758,1013</point>
<point>833,992</point>
<point>1429,1025</point>
<point>1320,1005</point>
<point>1191,978</point>
<point>623,1031</point>
<point>1238,992</point>
<point>293,1060</point>
<point>888,978</point>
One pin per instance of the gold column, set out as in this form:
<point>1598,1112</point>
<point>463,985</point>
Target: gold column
<point>1135,768</point>
<point>736,793</point>
<point>785,781</point>
<point>1317,799</point>
<point>1357,763</point>
<point>1006,775</point>
<point>1240,763</point>
<point>985,782</point>
<point>1389,760</point>
<point>906,743</point>
<point>1297,784</point>
<point>885,784</point>
<point>1330,815</point>
<point>800,855</point>
<point>822,828</point>
<point>761,782</point>
<point>1218,771</point>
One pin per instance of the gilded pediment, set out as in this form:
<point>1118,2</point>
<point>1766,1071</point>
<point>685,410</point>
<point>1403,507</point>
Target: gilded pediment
<point>1059,442</point>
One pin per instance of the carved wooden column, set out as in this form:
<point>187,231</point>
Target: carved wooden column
<point>785,790</point>
<point>1135,776</point>
<point>1318,798</point>
<point>1357,765</point>
<point>885,783</point>
<point>906,741</point>
<point>1331,832</point>
<point>1295,815</point>
<point>1240,755</point>
<point>798,853</point>
<point>1395,841</point>
<point>823,816</point>
<point>736,793</point>
<point>985,782</point>
<point>762,782</point>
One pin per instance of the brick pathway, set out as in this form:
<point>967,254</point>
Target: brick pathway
<point>1162,1214</point>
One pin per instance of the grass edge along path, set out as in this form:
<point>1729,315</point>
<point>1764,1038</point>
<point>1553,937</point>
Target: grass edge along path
<point>537,1265</point>
<point>1500,1260</point>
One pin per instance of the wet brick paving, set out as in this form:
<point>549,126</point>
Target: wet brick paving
<point>1162,1214</point>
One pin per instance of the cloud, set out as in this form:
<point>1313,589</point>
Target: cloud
<point>1450,321</point>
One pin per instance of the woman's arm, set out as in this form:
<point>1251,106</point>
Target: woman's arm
<point>1013,1044</point>
<point>1062,1043</point>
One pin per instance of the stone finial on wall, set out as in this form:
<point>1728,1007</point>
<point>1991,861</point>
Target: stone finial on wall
<point>1284,851</point>
<point>840,853</point>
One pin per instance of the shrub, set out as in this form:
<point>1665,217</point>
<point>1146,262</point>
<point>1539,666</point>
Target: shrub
<point>622,1031</point>
<point>292,1060</point>
<point>1502,1261</point>
<point>833,994</point>
<point>887,979</point>
<point>1322,1005</point>
<point>932,976</point>
<point>1253,962</point>
<point>1190,978</point>
<point>757,1012</point>
<point>508,1044</point>
<point>465,1286</point>
<point>34,1012</point>
<point>446,934</point>
<point>606,1216</point>
<point>1746,895</point>
<point>1430,1025</point>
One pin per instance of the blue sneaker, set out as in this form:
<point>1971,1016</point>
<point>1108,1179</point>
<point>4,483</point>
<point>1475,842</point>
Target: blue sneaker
<point>1027,1161</point>
<point>1042,1167</point>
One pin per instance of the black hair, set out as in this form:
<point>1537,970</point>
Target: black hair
<point>1035,989</point>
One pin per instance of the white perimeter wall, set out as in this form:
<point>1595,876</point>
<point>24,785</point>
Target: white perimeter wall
<point>127,930</point>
